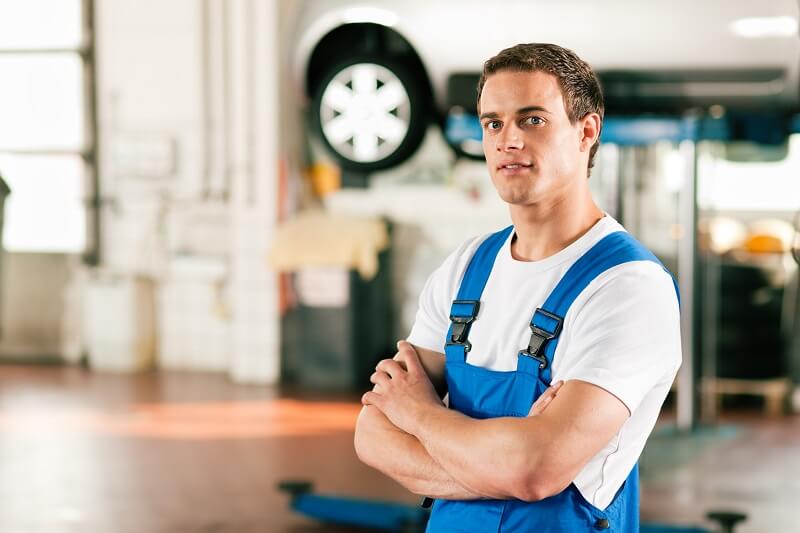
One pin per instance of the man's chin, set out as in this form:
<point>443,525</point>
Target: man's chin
<point>516,197</point>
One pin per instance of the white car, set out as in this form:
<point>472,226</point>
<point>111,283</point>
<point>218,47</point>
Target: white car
<point>377,73</point>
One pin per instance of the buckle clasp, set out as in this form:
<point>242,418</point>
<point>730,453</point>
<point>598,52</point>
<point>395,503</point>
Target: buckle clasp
<point>540,335</point>
<point>460,325</point>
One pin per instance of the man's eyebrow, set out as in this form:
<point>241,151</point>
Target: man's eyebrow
<point>520,111</point>
<point>525,110</point>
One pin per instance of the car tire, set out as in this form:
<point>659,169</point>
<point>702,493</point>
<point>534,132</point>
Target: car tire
<point>370,113</point>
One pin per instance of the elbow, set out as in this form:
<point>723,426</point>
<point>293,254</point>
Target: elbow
<point>414,486</point>
<point>364,451</point>
<point>535,484</point>
<point>362,439</point>
<point>530,490</point>
<point>360,445</point>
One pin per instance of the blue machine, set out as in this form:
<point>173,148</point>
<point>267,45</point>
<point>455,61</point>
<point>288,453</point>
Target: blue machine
<point>401,518</point>
<point>463,130</point>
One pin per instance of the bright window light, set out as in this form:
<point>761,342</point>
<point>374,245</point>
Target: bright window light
<point>756,186</point>
<point>39,24</point>
<point>42,125</point>
<point>41,101</point>
<point>45,211</point>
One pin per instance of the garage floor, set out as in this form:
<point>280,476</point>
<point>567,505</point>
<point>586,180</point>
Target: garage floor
<point>88,453</point>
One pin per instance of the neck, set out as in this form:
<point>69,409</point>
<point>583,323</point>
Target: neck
<point>544,229</point>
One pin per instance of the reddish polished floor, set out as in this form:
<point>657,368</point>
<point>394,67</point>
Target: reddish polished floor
<point>90,453</point>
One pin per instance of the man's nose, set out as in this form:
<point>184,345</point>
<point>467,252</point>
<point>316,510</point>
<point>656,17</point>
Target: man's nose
<point>510,139</point>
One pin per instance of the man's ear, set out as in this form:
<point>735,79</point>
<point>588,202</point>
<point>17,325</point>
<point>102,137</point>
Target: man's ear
<point>589,130</point>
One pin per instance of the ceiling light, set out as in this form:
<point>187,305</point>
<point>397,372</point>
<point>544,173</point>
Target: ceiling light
<point>760,27</point>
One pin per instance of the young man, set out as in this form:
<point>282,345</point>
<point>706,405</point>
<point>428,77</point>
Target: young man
<point>564,295</point>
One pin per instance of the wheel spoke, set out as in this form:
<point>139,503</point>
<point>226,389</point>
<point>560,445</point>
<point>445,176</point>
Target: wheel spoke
<point>392,95</point>
<point>391,128</point>
<point>365,146</point>
<point>365,79</point>
<point>339,130</point>
<point>337,96</point>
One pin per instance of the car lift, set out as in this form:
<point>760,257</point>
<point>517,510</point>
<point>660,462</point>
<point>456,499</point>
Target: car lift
<point>402,518</point>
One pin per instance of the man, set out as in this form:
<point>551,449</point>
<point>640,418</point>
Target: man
<point>564,295</point>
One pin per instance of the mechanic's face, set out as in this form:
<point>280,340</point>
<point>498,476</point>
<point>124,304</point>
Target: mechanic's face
<point>533,152</point>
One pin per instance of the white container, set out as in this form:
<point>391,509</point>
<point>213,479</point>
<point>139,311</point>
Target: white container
<point>119,322</point>
<point>194,317</point>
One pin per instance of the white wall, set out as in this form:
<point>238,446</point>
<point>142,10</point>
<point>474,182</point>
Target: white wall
<point>188,168</point>
<point>191,138</point>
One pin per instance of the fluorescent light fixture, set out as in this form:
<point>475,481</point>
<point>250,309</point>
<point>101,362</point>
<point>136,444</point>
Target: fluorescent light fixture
<point>760,27</point>
<point>356,15</point>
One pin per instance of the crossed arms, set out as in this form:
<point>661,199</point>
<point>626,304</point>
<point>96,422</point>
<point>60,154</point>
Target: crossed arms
<point>405,431</point>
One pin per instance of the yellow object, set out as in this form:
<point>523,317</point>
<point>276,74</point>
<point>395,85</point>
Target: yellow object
<point>325,179</point>
<point>319,239</point>
<point>769,236</point>
<point>764,244</point>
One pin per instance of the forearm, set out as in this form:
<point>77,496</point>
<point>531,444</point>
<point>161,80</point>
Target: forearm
<point>491,457</point>
<point>402,457</point>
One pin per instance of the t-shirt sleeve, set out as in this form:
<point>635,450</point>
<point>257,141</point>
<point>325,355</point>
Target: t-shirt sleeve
<point>433,314</point>
<point>626,337</point>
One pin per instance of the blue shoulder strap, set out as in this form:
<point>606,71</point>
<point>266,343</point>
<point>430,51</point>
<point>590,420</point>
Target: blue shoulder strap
<point>612,250</point>
<point>465,308</point>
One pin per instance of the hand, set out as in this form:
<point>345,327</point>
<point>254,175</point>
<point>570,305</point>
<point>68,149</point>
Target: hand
<point>544,400</point>
<point>400,360</point>
<point>403,392</point>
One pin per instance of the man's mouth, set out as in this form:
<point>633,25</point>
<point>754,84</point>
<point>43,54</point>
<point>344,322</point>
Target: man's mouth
<point>512,167</point>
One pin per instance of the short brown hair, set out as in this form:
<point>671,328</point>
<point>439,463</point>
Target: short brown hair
<point>579,84</point>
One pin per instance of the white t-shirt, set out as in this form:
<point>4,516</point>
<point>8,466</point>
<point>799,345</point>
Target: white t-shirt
<point>622,333</point>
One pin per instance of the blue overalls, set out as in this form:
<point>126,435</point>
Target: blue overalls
<point>481,393</point>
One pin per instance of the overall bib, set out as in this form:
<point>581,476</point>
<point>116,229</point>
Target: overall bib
<point>481,393</point>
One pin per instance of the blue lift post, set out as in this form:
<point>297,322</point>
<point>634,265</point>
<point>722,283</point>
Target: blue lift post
<point>375,514</point>
<point>402,518</point>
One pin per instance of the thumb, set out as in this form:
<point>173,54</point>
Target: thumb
<point>409,354</point>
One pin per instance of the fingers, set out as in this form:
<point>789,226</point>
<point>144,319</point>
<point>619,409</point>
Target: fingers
<point>544,400</point>
<point>400,361</point>
<point>408,354</point>
<point>379,378</point>
<point>371,398</point>
<point>551,392</point>
<point>390,367</point>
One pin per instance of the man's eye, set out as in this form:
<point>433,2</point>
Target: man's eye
<point>492,125</point>
<point>534,121</point>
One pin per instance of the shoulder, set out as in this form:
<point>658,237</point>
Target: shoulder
<point>632,306</point>
<point>645,276</point>
<point>624,334</point>
<point>644,282</point>
<point>439,291</point>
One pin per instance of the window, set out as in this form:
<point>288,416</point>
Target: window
<point>44,145</point>
<point>751,186</point>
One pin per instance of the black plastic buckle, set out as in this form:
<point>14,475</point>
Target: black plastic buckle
<point>459,330</point>
<point>540,336</point>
